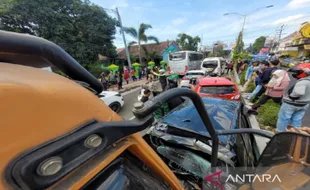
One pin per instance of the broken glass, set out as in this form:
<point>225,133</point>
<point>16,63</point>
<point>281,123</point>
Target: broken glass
<point>189,161</point>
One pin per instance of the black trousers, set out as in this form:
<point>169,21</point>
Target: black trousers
<point>105,86</point>
<point>163,86</point>
<point>264,99</point>
<point>262,91</point>
<point>120,85</point>
<point>228,69</point>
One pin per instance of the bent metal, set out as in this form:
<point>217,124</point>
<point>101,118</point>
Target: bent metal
<point>254,178</point>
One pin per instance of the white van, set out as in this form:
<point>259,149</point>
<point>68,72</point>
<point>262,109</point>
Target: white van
<point>182,61</point>
<point>214,66</point>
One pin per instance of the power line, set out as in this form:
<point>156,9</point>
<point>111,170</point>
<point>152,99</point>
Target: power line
<point>256,30</point>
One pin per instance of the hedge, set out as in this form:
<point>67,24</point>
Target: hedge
<point>268,113</point>
<point>242,77</point>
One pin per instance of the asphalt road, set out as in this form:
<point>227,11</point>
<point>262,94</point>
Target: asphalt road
<point>130,97</point>
<point>306,120</point>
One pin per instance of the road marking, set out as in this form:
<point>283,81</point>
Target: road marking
<point>132,118</point>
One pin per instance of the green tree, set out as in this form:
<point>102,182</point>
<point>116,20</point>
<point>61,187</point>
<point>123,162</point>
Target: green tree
<point>238,47</point>
<point>258,44</point>
<point>239,44</point>
<point>83,29</point>
<point>150,56</point>
<point>140,36</point>
<point>188,42</point>
<point>133,58</point>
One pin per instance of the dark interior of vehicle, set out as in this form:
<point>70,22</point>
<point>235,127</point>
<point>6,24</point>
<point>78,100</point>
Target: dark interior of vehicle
<point>127,172</point>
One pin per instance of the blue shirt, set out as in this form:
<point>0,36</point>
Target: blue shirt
<point>250,71</point>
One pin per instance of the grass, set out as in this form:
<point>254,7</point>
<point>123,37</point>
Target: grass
<point>268,113</point>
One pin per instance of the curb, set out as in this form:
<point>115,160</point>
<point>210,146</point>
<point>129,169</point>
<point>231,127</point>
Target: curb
<point>128,89</point>
<point>260,142</point>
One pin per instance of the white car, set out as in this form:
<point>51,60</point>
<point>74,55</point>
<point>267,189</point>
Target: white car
<point>189,75</point>
<point>112,99</point>
<point>214,66</point>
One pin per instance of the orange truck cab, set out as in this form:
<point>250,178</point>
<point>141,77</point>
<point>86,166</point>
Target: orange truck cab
<point>57,134</point>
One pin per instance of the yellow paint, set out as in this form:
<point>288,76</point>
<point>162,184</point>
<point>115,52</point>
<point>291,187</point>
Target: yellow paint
<point>290,53</point>
<point>305,30</point>
<point>307,47</point>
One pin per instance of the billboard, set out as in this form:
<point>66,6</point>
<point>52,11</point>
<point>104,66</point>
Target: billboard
<point>227,47</point>
<point>264,51</point>
<point>268,42</point>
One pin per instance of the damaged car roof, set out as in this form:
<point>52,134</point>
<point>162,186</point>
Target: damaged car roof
<point>223,115</point>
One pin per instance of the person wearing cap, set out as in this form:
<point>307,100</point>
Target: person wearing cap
<point>162,78</point>
<point>295,102</point>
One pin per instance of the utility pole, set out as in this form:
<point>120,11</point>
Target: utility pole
<point>280,31</point>
<point>124,39</point>
<point>200,44</point>
<point>244,18</point>
<point>277,35</point>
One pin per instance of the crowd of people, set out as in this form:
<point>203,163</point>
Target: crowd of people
<point>154,87</point>
<point>116,79</point>
<point>272,82</point>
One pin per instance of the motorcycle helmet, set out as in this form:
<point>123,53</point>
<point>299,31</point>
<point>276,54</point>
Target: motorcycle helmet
<point>298,71</point>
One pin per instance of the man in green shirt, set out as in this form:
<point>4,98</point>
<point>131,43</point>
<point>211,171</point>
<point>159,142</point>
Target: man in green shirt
<point>163,78</point>
<point>173,80</point>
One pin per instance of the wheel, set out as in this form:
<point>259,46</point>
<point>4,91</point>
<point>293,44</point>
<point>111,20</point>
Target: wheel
<point>115,106</point>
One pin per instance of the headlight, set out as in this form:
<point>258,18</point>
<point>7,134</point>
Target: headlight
<point>118,95</point>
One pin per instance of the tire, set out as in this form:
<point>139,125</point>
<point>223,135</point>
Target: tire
<point>115,106</point>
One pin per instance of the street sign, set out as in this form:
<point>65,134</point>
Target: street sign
<point>305,30</point>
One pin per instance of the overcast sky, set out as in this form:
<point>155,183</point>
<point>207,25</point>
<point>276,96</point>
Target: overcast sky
<point>205,18</point>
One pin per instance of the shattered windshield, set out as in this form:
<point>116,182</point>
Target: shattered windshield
<point>188,161</point>
<point>223,115</point>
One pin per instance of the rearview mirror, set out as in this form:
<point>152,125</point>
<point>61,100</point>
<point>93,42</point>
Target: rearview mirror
<point>285,163</point>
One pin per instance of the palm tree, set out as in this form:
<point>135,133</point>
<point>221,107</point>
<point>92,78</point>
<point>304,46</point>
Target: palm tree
<point>140,36</point>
